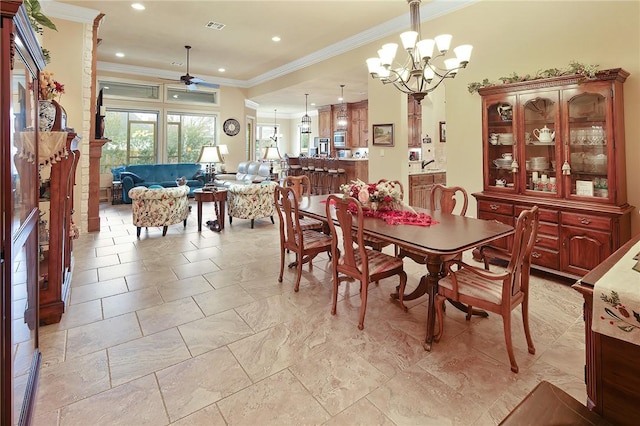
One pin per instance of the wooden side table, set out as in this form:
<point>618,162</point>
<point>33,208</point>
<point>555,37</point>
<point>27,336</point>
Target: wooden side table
<point>219,198</point>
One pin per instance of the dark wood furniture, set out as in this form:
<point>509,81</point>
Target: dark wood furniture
<point>612,370</point>
<point>584,215</point>
<point>420,186</point>
<point>350,257</point>
<point>451,235</point>
<point>547,404</point>
<point>305,243</point>
<point>56,266</point>
<point>21,62</point>
<point>218,197</point>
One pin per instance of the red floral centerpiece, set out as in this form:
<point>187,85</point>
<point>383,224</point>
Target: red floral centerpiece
<point>383,196</point>
<point>383,200</point>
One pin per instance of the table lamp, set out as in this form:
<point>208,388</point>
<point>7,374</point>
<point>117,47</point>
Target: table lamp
<point>271,154</point>
<point>224,150</point>
<point>210,155</point>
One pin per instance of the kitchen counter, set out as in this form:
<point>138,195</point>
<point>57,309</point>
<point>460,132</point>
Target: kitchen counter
<point>427,172</point>
<point>354,159</point>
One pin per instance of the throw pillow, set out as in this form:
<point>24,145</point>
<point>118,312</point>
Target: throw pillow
<point>116,171</point>
<point>198,175</point>
<point>135,177</point>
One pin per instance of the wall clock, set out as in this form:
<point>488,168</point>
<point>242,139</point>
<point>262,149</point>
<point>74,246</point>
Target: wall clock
<point>231,127</point>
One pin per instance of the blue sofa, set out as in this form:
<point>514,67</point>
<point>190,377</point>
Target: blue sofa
<point>160,174</point>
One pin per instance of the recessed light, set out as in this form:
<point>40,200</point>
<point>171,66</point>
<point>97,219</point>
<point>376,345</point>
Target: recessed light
<point>120,55</point>
<point>221,70</point>
<point>138,6</point>
<point>275,38</point>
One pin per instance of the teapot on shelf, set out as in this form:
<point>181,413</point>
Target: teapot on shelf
<point>544,135</point>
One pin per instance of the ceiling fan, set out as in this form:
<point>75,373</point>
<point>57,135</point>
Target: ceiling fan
<point>192,82</point>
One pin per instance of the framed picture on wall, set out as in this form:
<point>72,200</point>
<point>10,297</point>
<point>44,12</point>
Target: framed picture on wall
<point>443,131</point>
<point>383,134</point>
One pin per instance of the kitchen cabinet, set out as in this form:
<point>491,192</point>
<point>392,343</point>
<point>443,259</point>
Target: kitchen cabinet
<point>608,359</point>
<point>355,169</point>
<point>358,128</point>
<point>420,188</point>
<point>414,122</point>
<point>22,62</point>
<point>324,122</point>
<point>559,143</point>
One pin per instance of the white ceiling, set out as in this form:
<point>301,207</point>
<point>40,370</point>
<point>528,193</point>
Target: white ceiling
<point>310,31</point>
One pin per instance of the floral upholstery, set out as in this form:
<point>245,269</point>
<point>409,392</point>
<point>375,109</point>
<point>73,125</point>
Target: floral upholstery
<point>252,201</point>
<point>159,206</point>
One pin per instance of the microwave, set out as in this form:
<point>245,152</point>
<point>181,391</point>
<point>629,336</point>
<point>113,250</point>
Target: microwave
<point>340,139</point>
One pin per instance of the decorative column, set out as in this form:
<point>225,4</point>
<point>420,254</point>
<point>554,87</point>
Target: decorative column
<point>95,145</point>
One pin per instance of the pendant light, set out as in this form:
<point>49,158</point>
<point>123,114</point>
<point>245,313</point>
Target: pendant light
<point>275,135</point>
<point>343,118</point>
<point>306,120</point>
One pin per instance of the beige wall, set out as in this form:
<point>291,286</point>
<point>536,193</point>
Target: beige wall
<point>516,36</point>
<point>70,49</point>
<point>525,37</point>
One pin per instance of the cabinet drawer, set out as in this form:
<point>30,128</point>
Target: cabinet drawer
<point>546,215</point>
<point>440,178</point>
<point>546,258</point>
<point>586,221</point>
<point>421,179</point>
<point>549,229</point>
<point>493,207</point>
<point>547,241</point>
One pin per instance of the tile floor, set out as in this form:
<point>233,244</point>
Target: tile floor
<point>194,329</point>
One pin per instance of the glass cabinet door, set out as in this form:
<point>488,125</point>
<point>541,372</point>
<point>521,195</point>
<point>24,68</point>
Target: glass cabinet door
<point>499,140</point>
<point>542,139</point>
<point>589,148</point>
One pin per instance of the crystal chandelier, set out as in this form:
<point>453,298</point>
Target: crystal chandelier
<point>419,75</point>
<point>306,120</point>
<point>343,118</point>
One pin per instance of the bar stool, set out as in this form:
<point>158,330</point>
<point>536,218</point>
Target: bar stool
<point>318,176</point>
<point>294,168</point>
<point>304,167</point>
<point>335,175</point>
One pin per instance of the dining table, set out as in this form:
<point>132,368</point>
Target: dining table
<point>450,234</point>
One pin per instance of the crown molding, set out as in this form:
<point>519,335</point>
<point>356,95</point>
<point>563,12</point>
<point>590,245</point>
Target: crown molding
<point>251,104</point>
<point>69,12</point>
<point>428,12</point>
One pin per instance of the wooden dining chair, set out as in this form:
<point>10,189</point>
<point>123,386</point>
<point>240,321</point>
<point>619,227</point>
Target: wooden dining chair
<point>378,244</point>
<point>498,292</point>
<point>305,243</point>
<point>301,187</point>
<point>445,199</point>
<point>357,261</point>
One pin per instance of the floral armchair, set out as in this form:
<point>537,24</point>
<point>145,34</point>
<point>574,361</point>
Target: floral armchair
<point>159,206</point>
<point>252,201</point>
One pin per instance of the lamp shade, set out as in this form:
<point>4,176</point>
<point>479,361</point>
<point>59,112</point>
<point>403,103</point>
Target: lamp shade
<point>224,150</point>
<point>210,154</point>
<point>272,153</point>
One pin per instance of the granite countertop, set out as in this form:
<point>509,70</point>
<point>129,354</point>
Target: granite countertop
<point>353,159</point>
<point>428,172</point>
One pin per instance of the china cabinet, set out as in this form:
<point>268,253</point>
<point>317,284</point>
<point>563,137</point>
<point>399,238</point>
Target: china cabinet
<point>21,62</point>
<point>558,143</point>
<point>56,259</point>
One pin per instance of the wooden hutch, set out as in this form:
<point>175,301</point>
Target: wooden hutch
<point>558,143</point>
